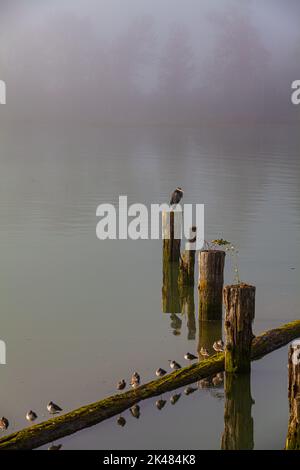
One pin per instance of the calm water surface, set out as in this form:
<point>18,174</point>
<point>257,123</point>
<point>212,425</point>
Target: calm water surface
<point>78,314</point>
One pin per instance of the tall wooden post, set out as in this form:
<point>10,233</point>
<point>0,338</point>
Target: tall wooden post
<point>211,280</point>
<point>187,261</point>
<point>293,436</point>
<point>171,227</point>
<point>238,422</point>
<point>239,301</point>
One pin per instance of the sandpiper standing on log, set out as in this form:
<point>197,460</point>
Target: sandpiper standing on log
<point>176,196</point>
<point>217,347</point>
<point>204,352</point>
<point>31,416</point>
<point>121,385</point>
<point>174,365</point>
<point>4,423</point>
<point>190,357</point>
<point>53,408</point>
<point>160,372</point>
<point>135,380</point>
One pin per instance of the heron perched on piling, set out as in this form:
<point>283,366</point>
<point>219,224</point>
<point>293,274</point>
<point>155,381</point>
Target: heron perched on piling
<point>176,196</point>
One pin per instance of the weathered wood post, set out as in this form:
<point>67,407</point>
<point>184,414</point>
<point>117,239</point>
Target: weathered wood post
<point>211,280</point>
<point>293,436</point>
<point>187,261</point>
<point>238,422</point>
<point>239,301</point>
<point>171,228</point>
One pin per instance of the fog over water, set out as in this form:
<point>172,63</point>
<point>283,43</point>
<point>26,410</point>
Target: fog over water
<point>150,62</point>
<point>136,97</point>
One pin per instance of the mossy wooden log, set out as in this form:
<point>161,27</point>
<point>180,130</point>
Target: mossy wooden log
<point>239,302</point>
<point>89,415</point>
<point>211,281</point>
<point>293,436</point>
<point>238,421</point>
<point>171,228</point>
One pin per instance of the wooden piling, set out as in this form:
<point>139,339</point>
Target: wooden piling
<point>239,302</point>
<point>238,421</point>
<point>293,436</point>
<point>211,280</point>
<point>171,227</point>
<point>187,261</point>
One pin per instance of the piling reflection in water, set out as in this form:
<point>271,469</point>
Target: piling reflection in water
<point>238,422</point>
<point>170,289</point>
<point>177,300</point>
<point>187,302</point>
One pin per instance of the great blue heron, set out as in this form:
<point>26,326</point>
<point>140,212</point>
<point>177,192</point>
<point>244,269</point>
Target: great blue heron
<point>176,196</point>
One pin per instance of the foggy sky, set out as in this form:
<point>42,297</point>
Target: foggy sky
<point>142,59</point>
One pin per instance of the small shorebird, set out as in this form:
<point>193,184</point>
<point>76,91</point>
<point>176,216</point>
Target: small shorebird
<point>53,408</point>
<point>174,398</point>
<point>135,380</point>
<point>160,372</point>
<point>188,390</point>
<point>204,352</point>
<point>160,404</point>
<point>174,365</point>
<point>216,381</point>
<point>204,383</point>
<point>135,411</point>
<point>121,385</point>
<point>31,416</point>
<point>4,423</point>
<point>176,196</point>
<point>190,357</point>
<point>217,347</point>
<point>121,421</point>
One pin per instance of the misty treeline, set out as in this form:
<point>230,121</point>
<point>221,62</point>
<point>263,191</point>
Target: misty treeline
<point>67,69</point>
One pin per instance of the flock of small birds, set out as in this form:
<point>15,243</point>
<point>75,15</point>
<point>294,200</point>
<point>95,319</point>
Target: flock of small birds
<point>31,415</point>
<point>135,381</point>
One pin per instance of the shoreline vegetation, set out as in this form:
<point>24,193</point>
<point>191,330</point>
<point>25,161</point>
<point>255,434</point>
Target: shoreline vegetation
<point>48,431</point>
